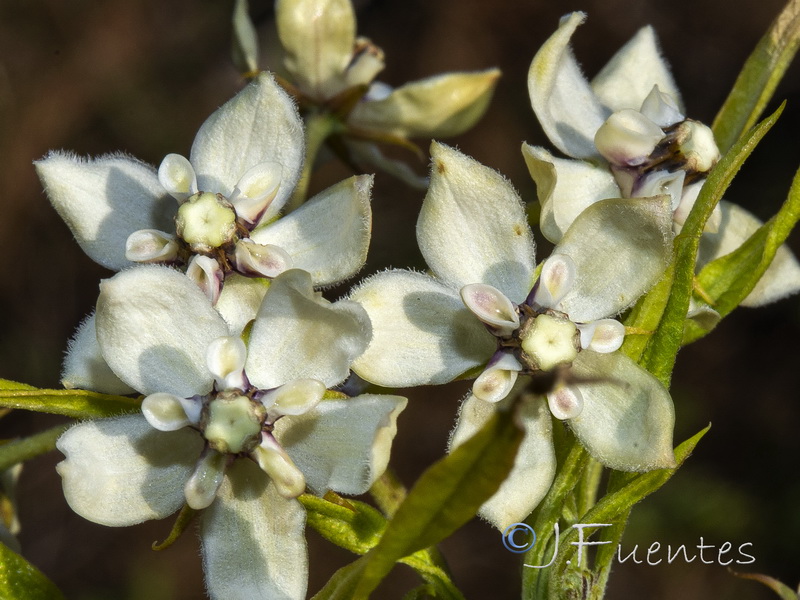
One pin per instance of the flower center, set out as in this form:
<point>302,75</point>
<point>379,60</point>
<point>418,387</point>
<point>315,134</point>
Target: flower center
<point>549,340</point>
<point>234,423</point>
<point>206,221</point>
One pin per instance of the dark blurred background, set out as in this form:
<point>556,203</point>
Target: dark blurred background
<point>140,76</point>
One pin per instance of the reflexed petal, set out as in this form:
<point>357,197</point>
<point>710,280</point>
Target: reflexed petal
<point>620,249</point>
<point>779,280</point>
<point>491,306</point>
<point>535,465</point>
<point>121,471</point>
<point>436,107</point>
<point>255,191</point>
<point>421,331</point>
<point>630,75</point>
<point>253,542</point>
<point>567,108</point>
<point>260,260</point>
<point>240,300</point>
<point>472,227</point>
<point>342,445</point>
<point>225,360</point>
<point>176,175</point>
<point>604,335</point>
<point>299,335</point>
<point>206,273</point>
<point>328,236</point>
<point>151,245</point>
<point>154,326</point>
<point>627,417</point>
<point>258,125</point>
<point>275,462</point>
<point>370,158</point>
<point>104,200</point>
<point>318,37</point>
<point>85,367</point>
<point>294,398</point>
<point>662,109</point>
<point>201,488</point>
<point>566,188</point>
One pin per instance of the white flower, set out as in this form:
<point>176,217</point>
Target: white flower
<point>215,213</point>
<point>216,411</point>
<point>473,233</point>
<point>329,67</point>
<point>628,131</point>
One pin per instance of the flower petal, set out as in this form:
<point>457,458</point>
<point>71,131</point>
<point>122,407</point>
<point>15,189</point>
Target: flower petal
<point>421,331</point>
<point>436,107</point>
<point>472,227</point>
<point>567,108</point>
<point>318,37</point>
<point>253,542</point>
<point>154,326</point>
<point>620,248</point>
<point>240,300</point>
<point>258,125</point>
<point>328,236</point>
<point>84,366</point>
<point>342,445</point>
<point>630,75</point>
<point>534,466</point>
<point>780,279</point>
<point>627,417</point>
<point>299,335</point>
<point>566,188</point>
<point>104,200</point>
<point>121,471</point>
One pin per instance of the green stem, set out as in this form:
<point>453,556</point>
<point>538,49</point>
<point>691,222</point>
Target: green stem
<point>588,486</point>
<point>319,127</point>
<point>388,492</point>
<point>534,581</point>
<point>21,450</point>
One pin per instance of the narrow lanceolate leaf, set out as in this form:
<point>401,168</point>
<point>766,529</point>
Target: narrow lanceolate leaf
<point>17,451</point>
<point>730,278</point>
<point>784,591</point>
<point>445,497</point>
<point>245,42</point>
<point>759,77</point>
<point>20,580</point>
<point>80,404</point>
<point>659,355</point>
<point>7,384</point>
<point>610,508</point>
<point>645,315</point>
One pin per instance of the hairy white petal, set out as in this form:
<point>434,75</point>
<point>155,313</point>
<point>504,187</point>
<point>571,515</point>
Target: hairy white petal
<point>299,335</point>
<point>104,200</point>
<point>240,300</point>
<point>328,236</point>
<point>258,125</point>
<point>154,326</point>
<point>472,227</point>
<point>121,471</point>
<point>342,445</point>
<point>253,542</point>
<point>422,332</point>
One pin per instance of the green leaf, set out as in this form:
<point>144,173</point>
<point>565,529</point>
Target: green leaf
<point>7,384</point>
<point>245,40</point>
<point>445,497</point>
<point>759,77</point>
<point>660,352</point>
<point>80,404</point>
<point>20,580</point>
<point>17,451</point>
<point>351,524</point>
<point>783,590</point>
<point>730,278</point>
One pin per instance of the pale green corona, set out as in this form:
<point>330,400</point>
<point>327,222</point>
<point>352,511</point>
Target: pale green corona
<point>206,221</point>
<point>233,425</point>
<point>550,341</point>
